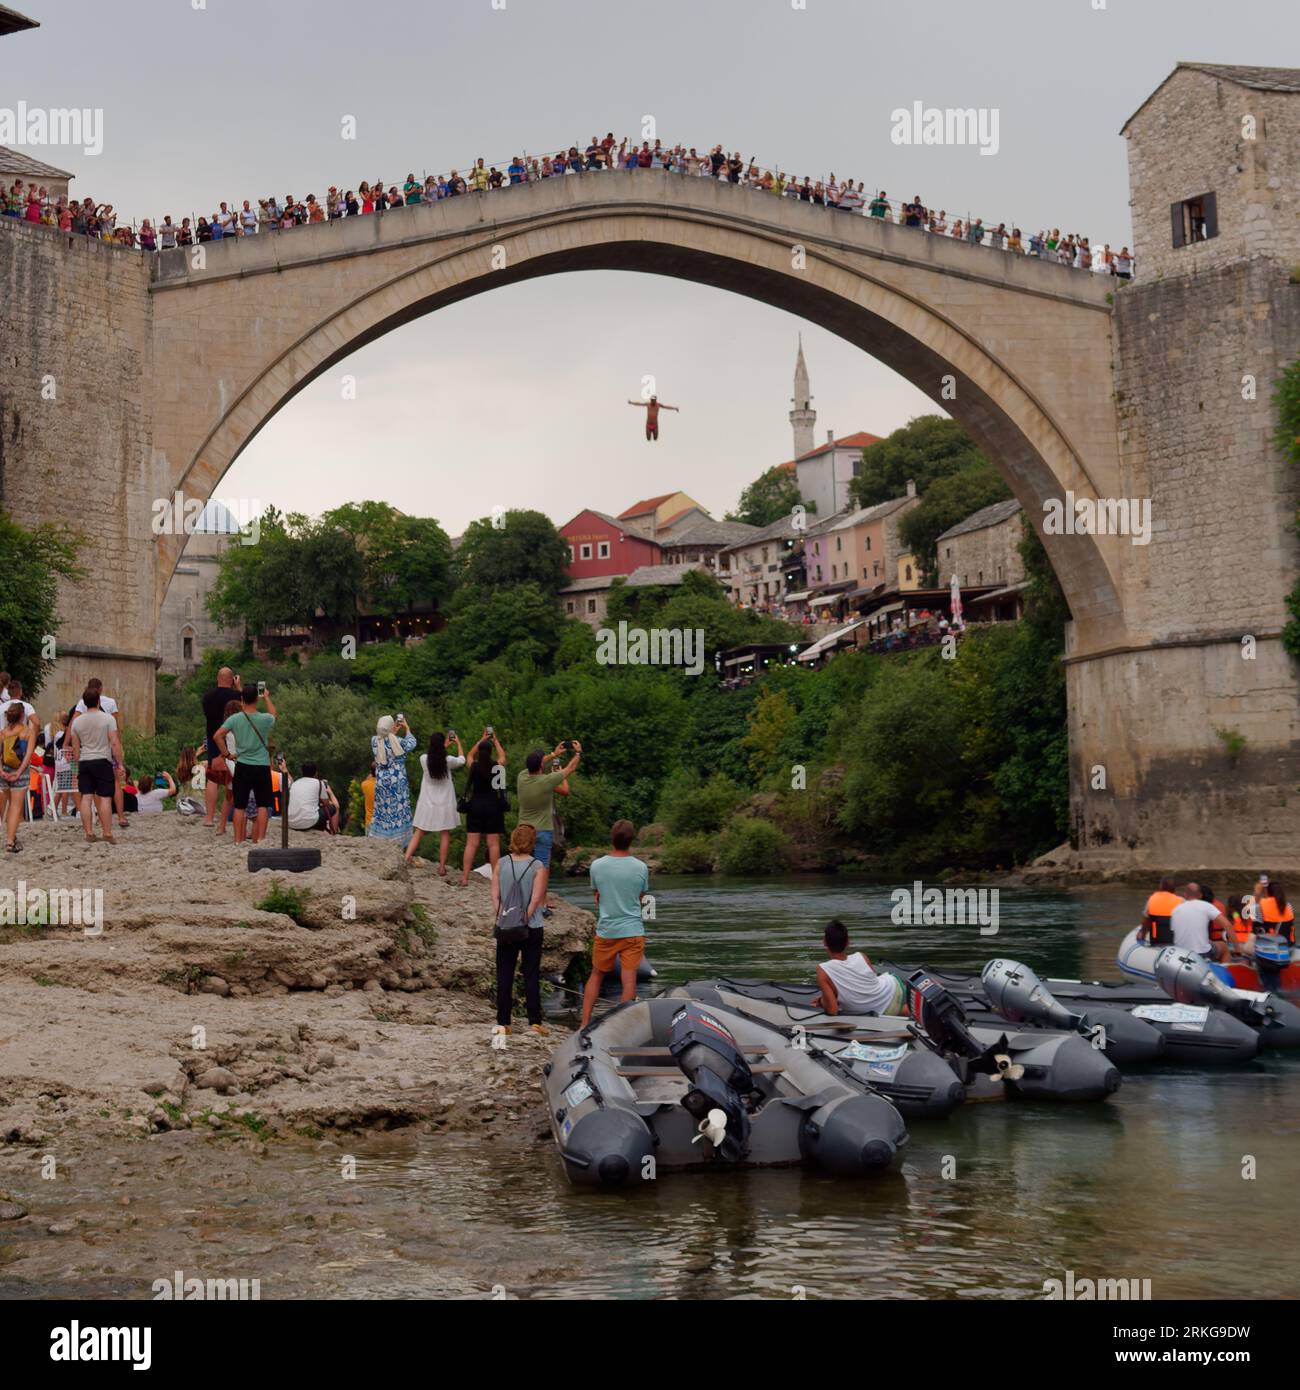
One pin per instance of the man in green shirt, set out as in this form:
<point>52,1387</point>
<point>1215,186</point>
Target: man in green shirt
<point>252,733</point>
<point>536,792</point>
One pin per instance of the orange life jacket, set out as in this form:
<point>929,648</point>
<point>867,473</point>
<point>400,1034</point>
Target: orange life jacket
<point>1160,907</point>
<point>1240,928</point>
<point>1280,920</point>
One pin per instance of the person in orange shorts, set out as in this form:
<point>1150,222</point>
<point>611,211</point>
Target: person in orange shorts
<point>620,883</point>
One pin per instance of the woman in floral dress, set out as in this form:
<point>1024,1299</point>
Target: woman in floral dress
<point>389,746</point>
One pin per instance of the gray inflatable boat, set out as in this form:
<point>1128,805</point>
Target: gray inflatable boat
<point>1137,1025</point>
<point>663,1084</point>
<point>936,1059</point>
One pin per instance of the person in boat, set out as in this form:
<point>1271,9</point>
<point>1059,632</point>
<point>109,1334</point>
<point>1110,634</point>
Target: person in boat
<point>1275,913</point>
<point>1241,923</point>
<point>1199,926</point>
<point>847,983</point>
<point>1155,929</point>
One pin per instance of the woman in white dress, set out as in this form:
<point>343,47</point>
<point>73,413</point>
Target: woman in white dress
<point>436,808</point>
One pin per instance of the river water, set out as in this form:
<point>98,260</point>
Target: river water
<point>1147,1185</point>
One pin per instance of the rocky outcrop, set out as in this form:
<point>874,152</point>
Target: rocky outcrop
<point>354,996</point>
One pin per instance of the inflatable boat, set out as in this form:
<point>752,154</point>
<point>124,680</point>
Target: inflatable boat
<point>1126,1014</point>
<point>1269,963</point>
<point>916,1060</point>
<point>661,1084</point>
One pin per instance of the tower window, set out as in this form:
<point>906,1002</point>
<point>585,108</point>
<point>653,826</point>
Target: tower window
<point>1194,219</point>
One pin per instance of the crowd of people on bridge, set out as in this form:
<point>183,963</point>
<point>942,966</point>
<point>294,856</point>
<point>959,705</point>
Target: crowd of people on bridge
<point>33,203</point>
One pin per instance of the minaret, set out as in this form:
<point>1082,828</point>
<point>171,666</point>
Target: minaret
<point>803,417</point>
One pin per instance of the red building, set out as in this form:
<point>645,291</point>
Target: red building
<point>603,545</point>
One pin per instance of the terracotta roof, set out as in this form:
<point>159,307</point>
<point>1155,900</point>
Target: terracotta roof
<point>859,440</point>
<point>13,162</point>
<point>986,516</point>
<point>651,504</point>
<point>1254,78</point>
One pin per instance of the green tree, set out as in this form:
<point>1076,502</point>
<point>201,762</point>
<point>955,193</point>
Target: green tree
<point>296,568</point>
<point>769,497</point>
<point>405,559</point>
<point>948,500</point>
<point>770,721</point>
<point>525,549</point>
<point>32,562</point>
<point>922,451</point>
<point>1046,607</point>
<point>519,623</point>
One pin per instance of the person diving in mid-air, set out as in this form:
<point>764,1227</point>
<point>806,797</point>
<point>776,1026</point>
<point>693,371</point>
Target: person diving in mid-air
<point>652,407</point>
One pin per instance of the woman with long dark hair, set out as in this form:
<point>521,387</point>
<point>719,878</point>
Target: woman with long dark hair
<point>485,801</point>
<point>435,811</point>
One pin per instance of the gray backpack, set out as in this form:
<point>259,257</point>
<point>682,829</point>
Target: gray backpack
<point>512,920</point>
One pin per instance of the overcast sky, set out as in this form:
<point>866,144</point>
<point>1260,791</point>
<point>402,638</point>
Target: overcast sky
<point>518,397</point>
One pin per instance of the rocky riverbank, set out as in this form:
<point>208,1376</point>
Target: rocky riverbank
<point>354,998</point>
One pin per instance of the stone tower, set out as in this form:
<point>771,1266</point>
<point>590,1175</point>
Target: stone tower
<point>803,418</point>
<point>1201,335</point>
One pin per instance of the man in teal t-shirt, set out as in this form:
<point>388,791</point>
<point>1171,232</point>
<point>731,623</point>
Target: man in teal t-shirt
<point>252,732</point>
<point>620,882</point>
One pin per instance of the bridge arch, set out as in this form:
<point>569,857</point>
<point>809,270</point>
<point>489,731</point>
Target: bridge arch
<point>1025,346</point>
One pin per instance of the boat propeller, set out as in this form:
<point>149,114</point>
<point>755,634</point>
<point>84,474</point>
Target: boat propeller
<point>940,1018</point>
<point>713,1127</point>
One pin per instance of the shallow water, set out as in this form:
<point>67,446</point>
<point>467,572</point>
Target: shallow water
<point>1147,1185</point>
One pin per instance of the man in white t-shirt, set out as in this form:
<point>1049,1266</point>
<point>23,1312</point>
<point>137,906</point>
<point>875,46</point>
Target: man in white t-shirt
<point>312,805</point>
<point>108,705</point>
<point>1199,926</point>
<point>848,984</point>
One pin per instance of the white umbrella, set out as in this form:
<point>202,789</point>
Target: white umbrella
<point>955,590</point>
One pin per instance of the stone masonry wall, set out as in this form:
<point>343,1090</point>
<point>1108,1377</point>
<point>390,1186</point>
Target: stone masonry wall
<point>75,446</point>
<point>990,555</point>
<point>1222,556</point>
<point>1189,140</point>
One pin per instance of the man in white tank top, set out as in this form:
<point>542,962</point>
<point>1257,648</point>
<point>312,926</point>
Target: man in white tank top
<point>849,985</point>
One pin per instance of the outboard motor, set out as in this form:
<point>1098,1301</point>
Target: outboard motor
<point>1017,993</point>
<point>1272,956</point>
<point>1189,980</point>
<point>720,1080</point>
<point>942,1019</point>
<point>1019,996</point>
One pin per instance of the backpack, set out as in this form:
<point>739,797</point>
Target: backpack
<point>512,919</point>
<point>14,747</point>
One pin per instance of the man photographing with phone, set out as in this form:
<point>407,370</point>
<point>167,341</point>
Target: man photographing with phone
<point>536,791</point>
<point>252,732</point>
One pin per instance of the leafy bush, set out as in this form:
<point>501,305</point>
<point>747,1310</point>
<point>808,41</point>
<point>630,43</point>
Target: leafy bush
<point>292,902</point>
<point>688,854</point>
<point>752,847</point>
<point>692,806</point>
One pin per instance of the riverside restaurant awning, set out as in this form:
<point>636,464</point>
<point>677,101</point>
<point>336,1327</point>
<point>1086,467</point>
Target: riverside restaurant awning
<point>799,597</point>
<point>829,642</point>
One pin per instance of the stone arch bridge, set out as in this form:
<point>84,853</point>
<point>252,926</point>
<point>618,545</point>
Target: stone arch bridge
<point>165,369</point>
